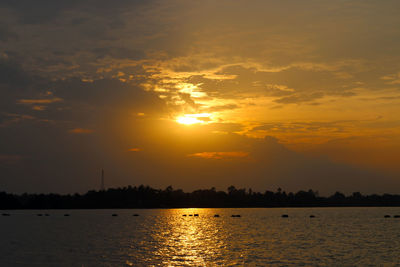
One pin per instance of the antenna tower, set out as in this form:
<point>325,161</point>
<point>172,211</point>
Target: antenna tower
<point>102,180</point>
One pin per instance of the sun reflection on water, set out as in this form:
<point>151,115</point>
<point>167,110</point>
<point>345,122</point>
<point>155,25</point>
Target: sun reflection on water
<point>190,240</point>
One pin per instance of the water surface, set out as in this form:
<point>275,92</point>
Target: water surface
<point>336,236</point>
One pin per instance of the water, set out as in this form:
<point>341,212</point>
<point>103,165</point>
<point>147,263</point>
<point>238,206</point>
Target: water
<point>335,237</point>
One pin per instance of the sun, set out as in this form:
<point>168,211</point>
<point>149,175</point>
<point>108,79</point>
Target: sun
<point>189,119</point>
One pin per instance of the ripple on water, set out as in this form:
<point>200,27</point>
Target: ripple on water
<point>336,236</point>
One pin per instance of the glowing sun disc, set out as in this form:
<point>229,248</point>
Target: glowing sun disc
<point>187,120</point>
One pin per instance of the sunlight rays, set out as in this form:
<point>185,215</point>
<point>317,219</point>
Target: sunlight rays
<point>189,119</point>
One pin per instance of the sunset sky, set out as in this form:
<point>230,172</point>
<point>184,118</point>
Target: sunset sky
<point>199,94</point>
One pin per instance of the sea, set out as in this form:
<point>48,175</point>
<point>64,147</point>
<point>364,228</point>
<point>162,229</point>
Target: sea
<point>165,237</point>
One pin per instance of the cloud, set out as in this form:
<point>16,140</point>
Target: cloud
<point>7,35</point>
<point>12,73</point>
<point>56,160</point>
<point>297,99</point>
<point>135,149</point>
<point>80,131</point>
<point>10,159</point>
<point>10,118</point>
<point>294,83</point>
<point>392,79</point>
<point>46,11</point>
<point>225,127</point>
<point>40,101</point>
<point>38,108</point>
<point>304,126</point>
<point>220,155</point>
<point>222,107</point>
<point>39,12</point>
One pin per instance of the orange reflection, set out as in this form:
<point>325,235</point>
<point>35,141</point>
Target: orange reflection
<point>190,240</point>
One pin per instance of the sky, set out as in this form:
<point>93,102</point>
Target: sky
<point>200,94</point>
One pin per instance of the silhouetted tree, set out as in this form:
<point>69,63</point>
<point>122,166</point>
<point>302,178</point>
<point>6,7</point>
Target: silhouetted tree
<point>147,197</point>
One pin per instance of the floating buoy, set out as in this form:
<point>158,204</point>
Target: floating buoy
<point>135,215</point>
<point>386,216</point>
<point>39,214</point>
<point>6,214</point>
<point>285,216</point>
<point>197,215</point>
<point>236,215</point>
<point>66,215</point>
<point>190,215</point>
<point>396,216</point>
<point>184,215</point>
<point>46,214</point>
<point>216,215</point>
<point>114,215</point>
<point>312,216</point>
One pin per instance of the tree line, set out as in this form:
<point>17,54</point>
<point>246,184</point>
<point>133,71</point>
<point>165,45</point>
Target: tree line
<point>147,197</point>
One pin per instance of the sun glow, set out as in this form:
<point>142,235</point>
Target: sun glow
<point>189,119</point>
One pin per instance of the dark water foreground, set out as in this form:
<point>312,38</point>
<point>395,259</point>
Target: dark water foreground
<point>259,237</point>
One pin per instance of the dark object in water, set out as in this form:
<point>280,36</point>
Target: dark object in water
<point>312,216</point>
<point>66,214</point>
<point>386,216</point>
<point>39,214</point>
<point>285,216</point>
<point>184,215</point>
<point>46,215</point>
<point>196,215</point>
<point>216,215</point>
<point>114,215</point>
<point>236,215</point>
<point>396,216</point>
<point>6,214</point>
<point>190,215</point>
<point>135,214</point>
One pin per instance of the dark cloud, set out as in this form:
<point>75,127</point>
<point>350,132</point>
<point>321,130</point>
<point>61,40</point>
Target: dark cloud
<point>12,74</point>
<point>118,53</point>
<point>16,84</point>
<point>68,141</point>
<point>6,35</point>
<point>33,12</point>
<point>9,159</point>
<point>44,11</point>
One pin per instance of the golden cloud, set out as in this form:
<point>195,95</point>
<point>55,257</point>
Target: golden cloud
<point>39,108</point>
<point>220,155</point>
<point>40,101</point>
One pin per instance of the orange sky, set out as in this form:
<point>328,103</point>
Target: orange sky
<point>261,94</point>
